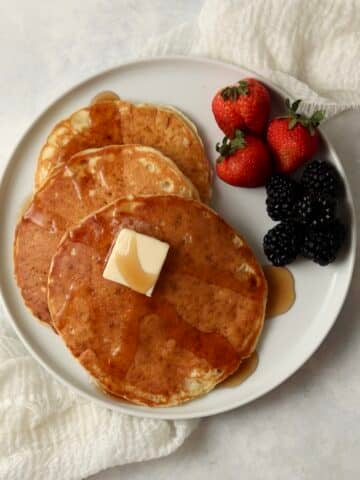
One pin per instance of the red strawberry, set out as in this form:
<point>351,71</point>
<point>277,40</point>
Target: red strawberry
<point>293,139</point>
<point>226,115</point>
<point>244,160</point>
<point>245,106</point>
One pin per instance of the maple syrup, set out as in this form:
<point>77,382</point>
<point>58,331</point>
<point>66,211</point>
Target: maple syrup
<point>130,268</point>
<point>105,96</point>
<point>24,205</point>
<point>247,368</point>
<point>281,296</point>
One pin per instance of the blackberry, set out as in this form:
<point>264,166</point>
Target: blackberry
<point>321,177</point>
<point>282,243</point>
<point>283,193</point>
<point>322,245</point>
<point>315,210</point>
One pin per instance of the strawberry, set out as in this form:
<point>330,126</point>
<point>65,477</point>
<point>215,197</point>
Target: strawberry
<point>293,139</point>
<point>244,160</point>
<point>244,106</point>
<point>225,113</point>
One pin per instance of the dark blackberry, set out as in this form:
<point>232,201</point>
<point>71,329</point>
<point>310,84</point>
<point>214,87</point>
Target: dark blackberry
<point>315,210</point>
<point>279,182</point>
<point>283,193</point>
<point>282,243</point>
<point>321,177</point>
<point>322,245</point>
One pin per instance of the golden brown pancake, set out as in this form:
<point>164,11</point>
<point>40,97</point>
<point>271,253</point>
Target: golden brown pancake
<point>204,318</point>
<point>90,180</point>
<point>121,122</point>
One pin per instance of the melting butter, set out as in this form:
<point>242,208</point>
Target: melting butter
<point>130,268</point>
<point>136,261</point>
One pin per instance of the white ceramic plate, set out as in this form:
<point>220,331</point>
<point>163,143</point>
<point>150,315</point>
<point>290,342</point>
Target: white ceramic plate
<point>287,341</point>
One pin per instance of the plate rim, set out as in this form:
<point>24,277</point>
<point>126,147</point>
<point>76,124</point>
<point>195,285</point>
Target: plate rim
<point>161,413</point>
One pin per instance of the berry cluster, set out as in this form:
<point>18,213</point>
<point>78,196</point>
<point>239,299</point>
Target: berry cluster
<point>307,214</point>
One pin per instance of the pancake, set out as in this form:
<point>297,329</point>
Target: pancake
<point>120,122</point>
<point>90,180</point>
<point>204,318</point>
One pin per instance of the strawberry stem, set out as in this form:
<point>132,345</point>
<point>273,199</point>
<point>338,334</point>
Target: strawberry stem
<point>229,146</point>
<point>308,122</point>
<point>233,92</point>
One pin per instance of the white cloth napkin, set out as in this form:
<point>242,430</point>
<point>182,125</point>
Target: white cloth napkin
<point>310,48</point>
<point>48,432</point>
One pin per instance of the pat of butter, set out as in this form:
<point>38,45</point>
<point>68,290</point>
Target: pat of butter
<point>136,261</point>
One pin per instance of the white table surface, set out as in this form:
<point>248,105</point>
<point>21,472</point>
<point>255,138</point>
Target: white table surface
<point>310,426</point>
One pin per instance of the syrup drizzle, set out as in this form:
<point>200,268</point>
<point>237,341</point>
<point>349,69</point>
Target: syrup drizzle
<point>105,96</point>
<point>24,205</point>
<point>281,286</point>
<point>281,298</point>
<point>247,368</point>
<point>130,268</point>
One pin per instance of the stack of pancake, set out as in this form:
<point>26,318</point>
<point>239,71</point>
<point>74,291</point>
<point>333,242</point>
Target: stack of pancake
<point>117,165</point>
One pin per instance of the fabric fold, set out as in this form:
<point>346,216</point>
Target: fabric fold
<point>47,431</point>
<point>309,49</point>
